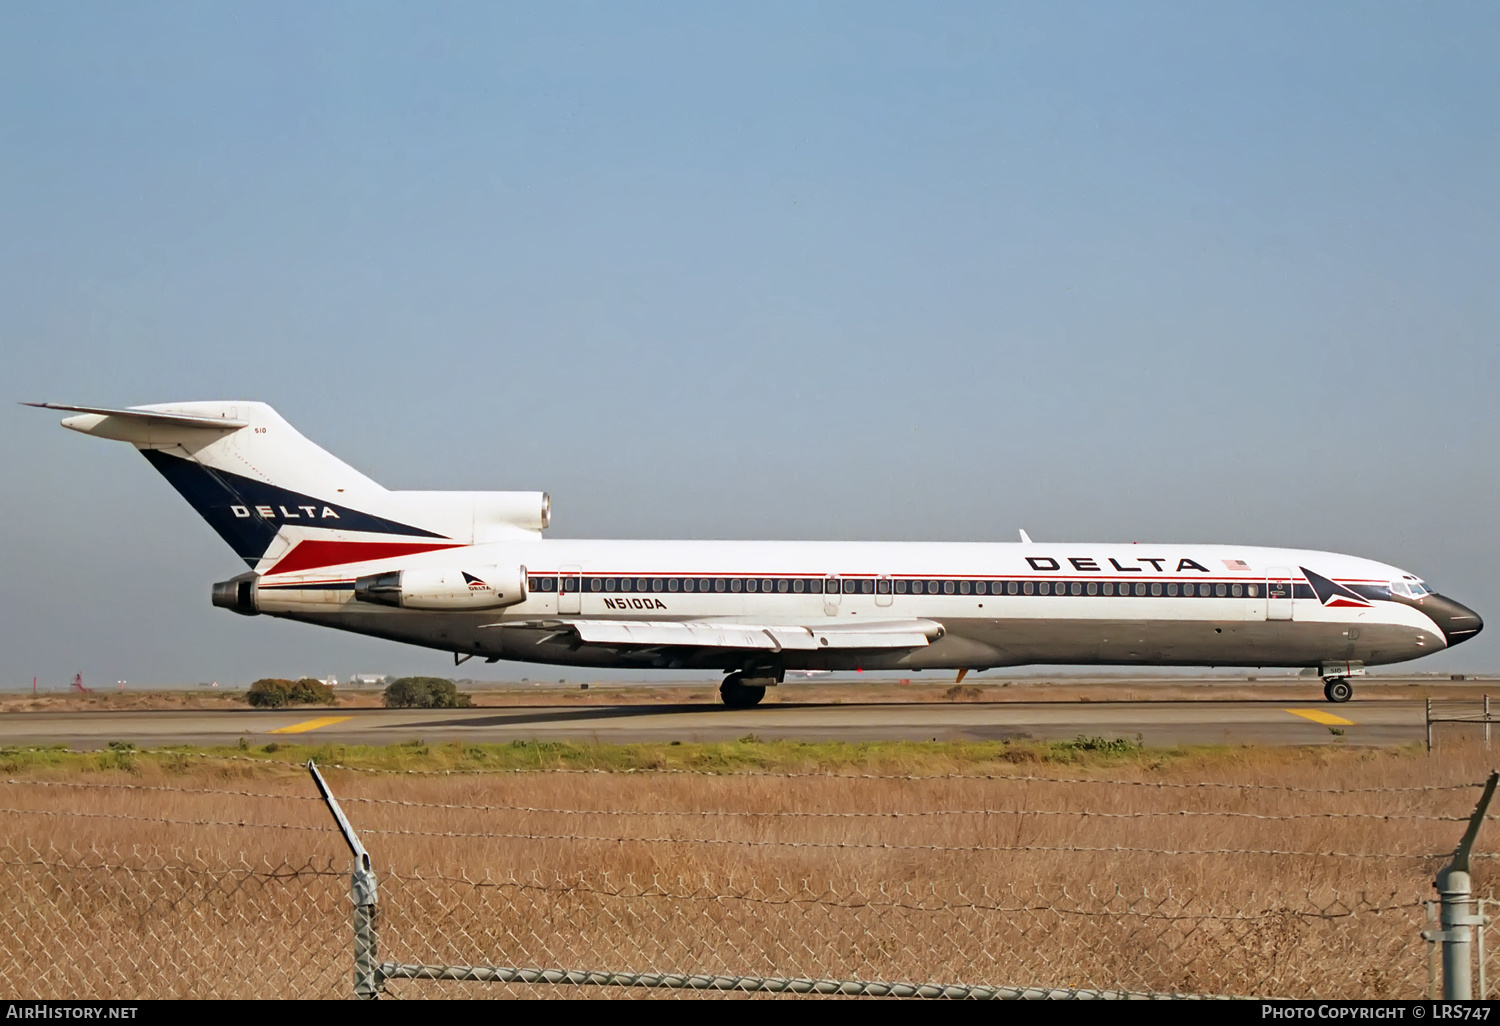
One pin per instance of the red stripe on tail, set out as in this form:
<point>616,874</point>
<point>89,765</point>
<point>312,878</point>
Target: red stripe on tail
<point>309,555</point>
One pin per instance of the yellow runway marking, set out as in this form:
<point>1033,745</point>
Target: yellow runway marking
<point>1319,716</point>
<point>328,721</point>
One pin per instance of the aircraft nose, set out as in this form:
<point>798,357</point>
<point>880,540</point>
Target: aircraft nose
<point>1458,622</point>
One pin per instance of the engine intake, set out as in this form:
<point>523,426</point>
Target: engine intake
<point>486,587</point>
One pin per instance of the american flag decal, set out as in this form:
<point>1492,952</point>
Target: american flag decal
<point>1236,564</point>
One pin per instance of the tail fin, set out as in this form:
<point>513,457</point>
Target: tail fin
<point>284,504</point>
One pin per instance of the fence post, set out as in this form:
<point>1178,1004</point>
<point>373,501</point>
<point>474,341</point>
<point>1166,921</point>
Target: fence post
<point>367,976</point>
<point>1430,936</point>
<point>1456,907</point>
<point>1479,943</point>
<point>1429,726</point>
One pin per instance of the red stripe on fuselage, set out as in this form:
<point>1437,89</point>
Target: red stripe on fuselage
<point>309,555</point>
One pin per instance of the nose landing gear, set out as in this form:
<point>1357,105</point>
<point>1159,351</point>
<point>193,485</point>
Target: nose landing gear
<point>1337,689</point>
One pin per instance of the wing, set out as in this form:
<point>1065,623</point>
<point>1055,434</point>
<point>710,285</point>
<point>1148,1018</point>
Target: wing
<point>882,634</point>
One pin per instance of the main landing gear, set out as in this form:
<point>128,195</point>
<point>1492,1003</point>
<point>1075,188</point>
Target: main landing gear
<point>1337,689</point>
<point>739,695</point>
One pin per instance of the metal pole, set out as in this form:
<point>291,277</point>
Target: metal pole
<point>367,977</point>
<point>1486,721</point>
<point>1430,936</point>
<point>1479,944</point>
<point>1456,907</point>
<point>1429,726</point>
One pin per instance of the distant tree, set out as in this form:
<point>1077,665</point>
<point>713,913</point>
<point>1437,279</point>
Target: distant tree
<point>275,692</point>
<point>425,693</point>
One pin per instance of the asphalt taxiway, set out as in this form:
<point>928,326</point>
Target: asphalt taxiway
<point>1374,722</point>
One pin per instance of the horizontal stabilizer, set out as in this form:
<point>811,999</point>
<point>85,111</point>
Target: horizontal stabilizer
<point>768,637</point>
<point>136,416</point>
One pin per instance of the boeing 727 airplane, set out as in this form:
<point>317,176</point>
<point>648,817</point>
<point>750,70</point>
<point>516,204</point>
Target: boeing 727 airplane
<point>469,573</point>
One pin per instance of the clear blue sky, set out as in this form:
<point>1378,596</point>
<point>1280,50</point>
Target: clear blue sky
<point>1124,272</point>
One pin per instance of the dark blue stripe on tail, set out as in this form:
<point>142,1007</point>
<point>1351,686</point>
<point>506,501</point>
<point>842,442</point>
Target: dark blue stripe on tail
<point>247,513</point>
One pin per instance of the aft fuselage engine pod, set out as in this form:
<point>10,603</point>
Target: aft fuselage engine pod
<point>487,587</point>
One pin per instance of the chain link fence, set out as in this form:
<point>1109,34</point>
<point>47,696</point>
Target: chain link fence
<point>154,925</point>
<point>767,904</point>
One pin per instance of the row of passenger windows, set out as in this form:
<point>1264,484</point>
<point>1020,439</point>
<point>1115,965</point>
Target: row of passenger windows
<point>886,586</point>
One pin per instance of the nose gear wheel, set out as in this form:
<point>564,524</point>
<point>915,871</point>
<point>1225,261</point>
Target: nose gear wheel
<point>1337,689</point>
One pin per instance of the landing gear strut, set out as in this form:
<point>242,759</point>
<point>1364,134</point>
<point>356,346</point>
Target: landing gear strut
<point>739,695</point>
<point>1337,689</point>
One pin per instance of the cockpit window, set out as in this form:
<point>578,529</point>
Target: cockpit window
<point>1410,588</point>
<point>1401,588</point>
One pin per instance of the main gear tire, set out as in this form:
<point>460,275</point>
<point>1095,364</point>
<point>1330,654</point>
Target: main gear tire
<point>739,695</point>
<point>1338,689</point>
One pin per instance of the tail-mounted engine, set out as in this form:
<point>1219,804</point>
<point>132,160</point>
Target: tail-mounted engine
<point>486,587</point>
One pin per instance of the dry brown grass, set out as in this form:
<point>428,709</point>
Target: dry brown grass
<point>918,886</point>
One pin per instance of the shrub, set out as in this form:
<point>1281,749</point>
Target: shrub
<point>275,692</point>
<point>424,693</point>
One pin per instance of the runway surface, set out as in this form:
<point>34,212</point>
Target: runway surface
<point>1375,722</point>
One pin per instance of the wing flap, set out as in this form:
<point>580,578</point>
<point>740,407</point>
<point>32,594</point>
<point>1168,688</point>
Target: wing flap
<point>764,637</point>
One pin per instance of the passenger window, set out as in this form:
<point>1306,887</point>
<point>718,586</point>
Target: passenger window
<point>750,584</point>
<point>719,584</point>
<point>1109,588</point>
<point>1010,589</point>
<point>1155,589</point>
<point>963,587</point>
<point>1044,588</point>
<point>900,587</point>
<point>815,586</point>
<point>673,584</point>
<point>766,586</point>
<point>1172,589</point>
<point>947,587</point>
<point>1093,588</point>
<point>657,584</point>
<point>1252,590</point>
<point>1076,589</point>
<point>1028,587</point>
<point>1220,590</point>
<point>735,584</point>
<point>781,586</point>
<point>1235,590</point>
<point>883,586</point>
<point>1140,589</point>
<point>798,586</point>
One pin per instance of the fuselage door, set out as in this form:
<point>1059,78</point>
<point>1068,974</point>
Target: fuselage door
<point>1279,582</point>
<point>883,591</point>
<point>832,594</point>
<point>569,587</point>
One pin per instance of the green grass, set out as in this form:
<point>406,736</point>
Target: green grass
<point>746,754</point>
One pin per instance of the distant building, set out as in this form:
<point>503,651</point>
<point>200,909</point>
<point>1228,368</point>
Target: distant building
<point>367,679</point>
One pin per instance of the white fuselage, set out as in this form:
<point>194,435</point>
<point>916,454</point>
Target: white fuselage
<point>998,604</point>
